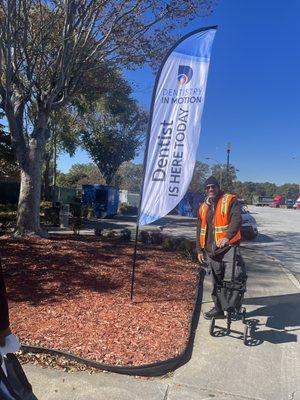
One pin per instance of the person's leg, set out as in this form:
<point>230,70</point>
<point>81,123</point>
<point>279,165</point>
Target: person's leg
<point>217,276</point>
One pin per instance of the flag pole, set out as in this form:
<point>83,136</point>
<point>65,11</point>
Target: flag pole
<point>134,261</point>
<point>147,145</point>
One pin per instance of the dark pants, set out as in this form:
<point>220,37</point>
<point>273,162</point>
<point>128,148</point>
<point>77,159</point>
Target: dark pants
<point>221,269</point>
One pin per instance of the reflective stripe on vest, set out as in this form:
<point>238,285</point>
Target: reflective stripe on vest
<point>221,220</point>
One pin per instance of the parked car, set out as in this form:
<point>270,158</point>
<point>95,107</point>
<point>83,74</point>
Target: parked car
<point>289,203</point>
<point>249,227</point>
<point>297,204</point>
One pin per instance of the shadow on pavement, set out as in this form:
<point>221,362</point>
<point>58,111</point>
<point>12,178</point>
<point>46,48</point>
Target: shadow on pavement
<point>261,238</point>
<point>283,318</point>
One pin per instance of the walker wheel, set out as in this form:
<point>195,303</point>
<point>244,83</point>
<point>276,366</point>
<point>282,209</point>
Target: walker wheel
<point>245,334</point>
<point>229,319</point>
<point>244,315</point>
<point>212,326</point>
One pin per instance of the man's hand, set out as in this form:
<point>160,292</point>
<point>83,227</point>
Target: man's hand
<point>201,257</point>
<point>3,334</point>
<point>223,242</point>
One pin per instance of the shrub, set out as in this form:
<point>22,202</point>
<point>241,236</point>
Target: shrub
<point>98,232</point>
<point>44,205</point>
<point>76,224</point>
<point>156,237</point>
<point>8,207</point>
<point>144,237</point>
<point>7,222</point>
<point>169,242</point>
<point>110,234</point>
<point>88,212</point>
<point>76,209</point>
<point>125,235</point>
<point>51,215</point>
<point>126,209</point>
<point>187,249</point>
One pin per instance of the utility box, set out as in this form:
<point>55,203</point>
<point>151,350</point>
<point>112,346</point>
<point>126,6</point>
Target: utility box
<point>64,215</point>
<point>104,199</point>
<point>123,196</point>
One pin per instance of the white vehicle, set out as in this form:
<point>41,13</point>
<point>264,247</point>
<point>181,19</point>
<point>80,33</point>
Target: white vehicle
<point>249,227</point>
<point>297,204</point>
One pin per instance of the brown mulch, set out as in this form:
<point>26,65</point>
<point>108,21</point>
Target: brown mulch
<point>73,294</point>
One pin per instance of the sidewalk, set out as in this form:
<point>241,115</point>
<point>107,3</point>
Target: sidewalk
<point>222,368</point>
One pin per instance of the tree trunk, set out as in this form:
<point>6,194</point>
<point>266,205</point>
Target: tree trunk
<point>28,222</point>
<point>30,161</point>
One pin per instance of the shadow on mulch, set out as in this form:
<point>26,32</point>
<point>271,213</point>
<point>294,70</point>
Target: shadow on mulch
<point>44,270</point>
<point>67,293</point>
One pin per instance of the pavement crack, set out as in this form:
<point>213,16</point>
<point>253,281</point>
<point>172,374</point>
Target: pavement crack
<point>166,393</point>
<point>292,395</point>
<point>221,392</point>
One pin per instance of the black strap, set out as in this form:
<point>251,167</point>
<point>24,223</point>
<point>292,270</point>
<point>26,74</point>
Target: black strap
<point>8,386</point>
<point>233,264</point>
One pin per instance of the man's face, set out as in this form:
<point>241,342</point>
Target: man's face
<point>212,191</point>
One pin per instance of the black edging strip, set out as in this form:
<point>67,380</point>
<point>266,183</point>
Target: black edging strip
<point>155,369</point>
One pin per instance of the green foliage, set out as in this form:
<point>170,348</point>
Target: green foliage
<point>187,248</point>
<point>76,209</point>
<point>144,237</point>
<point>8,165</point>
<point>7,221</point>
<point>246,190</point>
<point>111,138</point>
<point>98,232</point>
<point>130,176</point>
<point>8,207</point>
<point>200,174</point>
<point>44,205</point>
<point>150,237</point>
<point>54,53</point>
<point>51,216</point>
<point>88,212</point>
<point>125,235</point>
<point>110,234</point>
<point>156,237</point>
<point>76,224</point>
<point>225,178</point>
<point>170,242</point>
<point>80,174</point>
<point>291,190</point>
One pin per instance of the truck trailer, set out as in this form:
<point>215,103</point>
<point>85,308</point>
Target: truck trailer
<point>261,201</point>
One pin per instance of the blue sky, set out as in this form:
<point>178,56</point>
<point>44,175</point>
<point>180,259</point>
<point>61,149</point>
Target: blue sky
<point>253,91</point>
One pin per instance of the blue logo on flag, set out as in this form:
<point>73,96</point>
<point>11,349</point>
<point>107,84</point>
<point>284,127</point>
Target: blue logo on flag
<point>185,74</point>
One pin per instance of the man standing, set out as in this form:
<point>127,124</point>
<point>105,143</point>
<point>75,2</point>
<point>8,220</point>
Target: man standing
<point>219,221</point>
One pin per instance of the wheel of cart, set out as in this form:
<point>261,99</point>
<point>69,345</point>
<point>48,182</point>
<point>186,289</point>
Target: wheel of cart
<point>212,326</point>
<point>245,336</point>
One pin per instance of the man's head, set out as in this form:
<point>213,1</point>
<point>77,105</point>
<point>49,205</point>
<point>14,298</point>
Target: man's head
<point>212,187</point>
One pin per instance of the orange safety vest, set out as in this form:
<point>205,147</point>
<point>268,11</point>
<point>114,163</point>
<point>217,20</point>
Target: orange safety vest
<point>221,219</point>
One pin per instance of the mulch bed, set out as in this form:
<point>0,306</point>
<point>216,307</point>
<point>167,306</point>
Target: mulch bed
<point>73,294</point>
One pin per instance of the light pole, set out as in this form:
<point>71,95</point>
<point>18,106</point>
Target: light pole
<point>221,169</point>
<point>227,168</point>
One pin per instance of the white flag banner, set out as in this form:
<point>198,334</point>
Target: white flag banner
<point>177,105</point>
